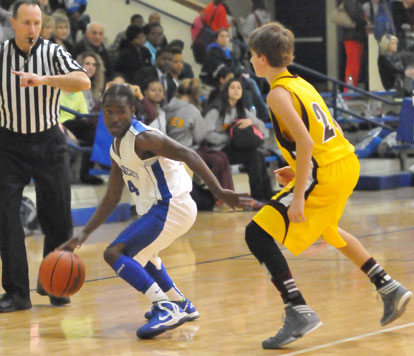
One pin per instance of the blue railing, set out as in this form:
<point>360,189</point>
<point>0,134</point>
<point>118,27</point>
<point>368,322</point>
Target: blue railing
<point>356,92</point>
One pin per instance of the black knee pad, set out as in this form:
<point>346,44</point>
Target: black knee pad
<point>265,249</point>
<point>260,243</point>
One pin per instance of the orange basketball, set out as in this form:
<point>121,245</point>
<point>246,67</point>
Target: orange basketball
<point>61,273</point>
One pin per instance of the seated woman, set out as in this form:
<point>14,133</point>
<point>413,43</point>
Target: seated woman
<point>219,117</point>
<point>394,66</point>
<point>95,68</point>
<point>186,125</point>
<point>153,114</point>
<point>220,56</point>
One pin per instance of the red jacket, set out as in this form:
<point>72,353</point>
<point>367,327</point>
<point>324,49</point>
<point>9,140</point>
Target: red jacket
<point>220,18</point>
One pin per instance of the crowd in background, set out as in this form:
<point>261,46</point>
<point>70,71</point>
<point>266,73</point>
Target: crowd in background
<point>163,81</point>
<point>392,24</point>
<point>143,57</point>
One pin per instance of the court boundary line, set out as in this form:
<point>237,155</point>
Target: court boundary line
<point>249,254</point>
<point>348,339</point>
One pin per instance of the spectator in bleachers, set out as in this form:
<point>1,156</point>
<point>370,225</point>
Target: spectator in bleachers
<point>187,71</point>
<point>218,118</point>
<point>61,32</point>
<point>396,67</point>
<point>258,17</point>
<point>186,125</point>
<point>155,17</point>
<point>95,68</point>
<point>403,16</point>
<point>136,20</point>
<point>6,31</point>
<point>354,40</point>
<point>75,10</point>
<point>133,55</point>
<point>48,27</point>
<point>177,64</point>
<point>82,128</point>
<point>160,71</point>
<point>223,75</point>
<point>154,34</point>
<point>220,56</point>
<point>220,15</point>
<point>153,114</point>
<point>93,41</point>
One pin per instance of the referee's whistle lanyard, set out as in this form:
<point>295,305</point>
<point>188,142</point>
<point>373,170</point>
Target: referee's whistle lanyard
<point>26,60</point>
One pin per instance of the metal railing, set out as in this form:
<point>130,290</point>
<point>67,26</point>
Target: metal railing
<point>335,91</point>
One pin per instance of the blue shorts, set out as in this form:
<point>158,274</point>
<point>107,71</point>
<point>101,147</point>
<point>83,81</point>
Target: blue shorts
<point>158,228</point>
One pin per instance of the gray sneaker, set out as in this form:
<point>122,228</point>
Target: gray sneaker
<point>395,297</point>
<point>299,320</point>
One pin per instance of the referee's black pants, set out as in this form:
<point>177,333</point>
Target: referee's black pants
<point>44,158</point>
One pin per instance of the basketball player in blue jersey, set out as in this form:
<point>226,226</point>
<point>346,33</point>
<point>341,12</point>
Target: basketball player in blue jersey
<point>322,173</point>
<point>150,165</point>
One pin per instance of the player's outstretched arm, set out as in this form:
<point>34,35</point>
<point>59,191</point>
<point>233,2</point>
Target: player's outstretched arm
<point>106,206</point>
<point>161,145</point>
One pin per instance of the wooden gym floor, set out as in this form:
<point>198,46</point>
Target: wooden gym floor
<point>239,306</point>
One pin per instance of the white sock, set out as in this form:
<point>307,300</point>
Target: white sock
<point>175,294</point>
<point>155,294</point>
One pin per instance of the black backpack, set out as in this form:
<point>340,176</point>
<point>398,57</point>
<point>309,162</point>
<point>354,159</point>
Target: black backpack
<point>203,197</point>
<point>204,37</point>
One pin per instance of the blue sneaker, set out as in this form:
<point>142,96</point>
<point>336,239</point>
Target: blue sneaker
<point>165,316</point>
<point>185,305</point>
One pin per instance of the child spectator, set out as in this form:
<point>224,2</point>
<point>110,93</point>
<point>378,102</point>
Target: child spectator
<point>154,115</point>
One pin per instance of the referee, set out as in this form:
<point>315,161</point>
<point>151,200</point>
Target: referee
<point>33,72</point>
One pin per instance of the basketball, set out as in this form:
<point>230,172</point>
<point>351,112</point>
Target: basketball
<point>61,273</point>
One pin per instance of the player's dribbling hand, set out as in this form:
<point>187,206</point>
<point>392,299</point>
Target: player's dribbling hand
<point>284,175</point>
<point>72,243</point>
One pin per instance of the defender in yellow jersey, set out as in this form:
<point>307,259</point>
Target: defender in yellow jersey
<point>322,173</point>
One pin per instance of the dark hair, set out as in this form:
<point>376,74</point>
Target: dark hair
<point>135,16</point>
<point>220,30</point>
<point>175,50</point>
<point>149,26</point>
<point>19,3</point>
<point>258,4</point>
<point>176,43</point>
<point>216,2</point>
<point>133,31</point>
<point>222,101</point>
<point>161,51</point>
<point>120,90</point>
<point>146,83</point>
<point>223,72</point>
<point>275,42</point>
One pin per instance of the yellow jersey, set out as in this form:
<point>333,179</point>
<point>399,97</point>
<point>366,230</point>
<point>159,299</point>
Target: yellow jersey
<point>329,145</point>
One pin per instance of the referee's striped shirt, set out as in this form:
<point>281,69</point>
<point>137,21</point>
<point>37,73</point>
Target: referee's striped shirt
<point>33,109</point>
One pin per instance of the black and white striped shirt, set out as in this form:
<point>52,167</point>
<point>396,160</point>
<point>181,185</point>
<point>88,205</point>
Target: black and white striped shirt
<point>33,109</point>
